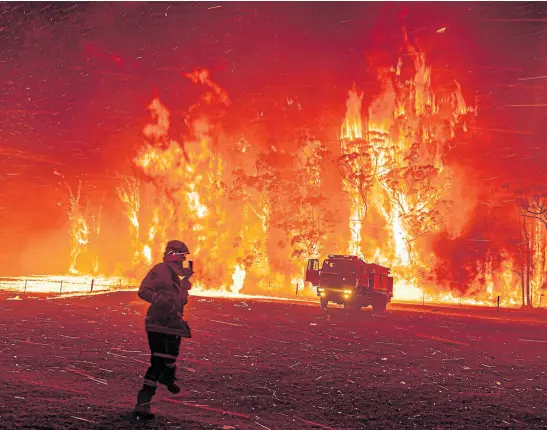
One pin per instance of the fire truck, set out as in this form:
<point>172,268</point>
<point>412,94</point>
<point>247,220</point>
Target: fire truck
<point>349,280</point>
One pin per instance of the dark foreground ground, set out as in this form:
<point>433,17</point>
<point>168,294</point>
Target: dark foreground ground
<point>78,363</point>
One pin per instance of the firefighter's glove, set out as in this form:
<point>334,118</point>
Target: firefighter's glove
<point>187,272</point>
<point>185,283</point>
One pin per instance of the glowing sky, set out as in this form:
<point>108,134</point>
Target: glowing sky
<point>75,80</point>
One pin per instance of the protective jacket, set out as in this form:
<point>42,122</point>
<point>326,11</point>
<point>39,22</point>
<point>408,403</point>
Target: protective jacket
<point>167,295</point>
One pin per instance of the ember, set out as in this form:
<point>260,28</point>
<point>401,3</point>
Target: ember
<point>256,188</point>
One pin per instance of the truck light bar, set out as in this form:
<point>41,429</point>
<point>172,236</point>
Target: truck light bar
<point>347,257</point>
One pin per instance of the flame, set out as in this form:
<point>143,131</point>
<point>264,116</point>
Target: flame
<point>538,281</point>
<point>129,194</point>
<point>79,230</point>
<point>84,231</point>
<point>238,277</point>
<point>399,237</point>
<point>396,166</point>
<point>351,134</point>
<point>488,277</point>
<point>352,128</point>
<point>185,193</point>
<point>397,186</point>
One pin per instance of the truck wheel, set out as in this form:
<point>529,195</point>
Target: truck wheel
<point>324,303</point>
<point>379,306</point>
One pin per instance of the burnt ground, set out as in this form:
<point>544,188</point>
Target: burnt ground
<point>78,363</point>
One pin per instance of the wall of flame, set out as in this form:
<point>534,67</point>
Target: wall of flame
<point>252,213</point>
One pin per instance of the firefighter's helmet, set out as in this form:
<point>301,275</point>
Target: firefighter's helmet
<point>177,247</point>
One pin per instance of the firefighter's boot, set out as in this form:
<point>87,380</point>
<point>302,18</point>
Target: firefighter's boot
<point>142,408</point>
<point>169,379</point>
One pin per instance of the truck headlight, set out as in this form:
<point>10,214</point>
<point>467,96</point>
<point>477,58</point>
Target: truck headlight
<point>347,291</point>
<point>322,294</point>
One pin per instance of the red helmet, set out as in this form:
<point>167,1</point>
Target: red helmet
<point>176,247</point>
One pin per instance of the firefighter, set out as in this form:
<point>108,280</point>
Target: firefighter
<point>165,287</point>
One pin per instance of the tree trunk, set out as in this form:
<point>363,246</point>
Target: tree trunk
<point>522,262</point>
<point>528,262</point>
<point>528,271</point>
<point>525,263</point>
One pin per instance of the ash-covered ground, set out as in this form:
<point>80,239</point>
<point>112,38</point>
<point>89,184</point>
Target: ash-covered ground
<point>78,363</point>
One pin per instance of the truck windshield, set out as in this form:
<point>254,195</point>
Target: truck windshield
<point>339,266</point>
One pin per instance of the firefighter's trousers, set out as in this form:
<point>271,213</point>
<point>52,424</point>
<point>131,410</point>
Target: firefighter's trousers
<point>164,350</point>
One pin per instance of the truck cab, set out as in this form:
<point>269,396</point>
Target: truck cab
<point>349,280</point>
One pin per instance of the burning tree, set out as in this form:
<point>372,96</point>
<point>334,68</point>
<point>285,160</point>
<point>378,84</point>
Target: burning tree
<point>84,230</point>
<point>358,163</point>
<point>129,194</point>
<point>260,209</point>
<point>311,223</point>
<point>79,230</point>
<point>288,199</point>
<point>393,162</point>
<point>305,216</point>
<point>359,168</point>
<point>534,205</point>
<point>415,191</point>
<point>531,202</point>
<point>184,192</point>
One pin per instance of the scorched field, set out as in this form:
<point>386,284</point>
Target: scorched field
<point>78,363</point>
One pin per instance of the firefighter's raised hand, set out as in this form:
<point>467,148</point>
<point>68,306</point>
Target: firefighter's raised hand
<point>187,272</point>
<point>185,283</point>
